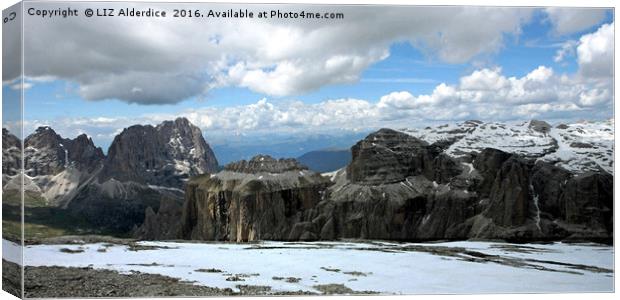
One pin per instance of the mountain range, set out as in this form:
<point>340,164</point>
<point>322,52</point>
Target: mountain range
<point>144,164</point>
<point>473,180</point>
<point>517,181</point>
<point>326,160</point>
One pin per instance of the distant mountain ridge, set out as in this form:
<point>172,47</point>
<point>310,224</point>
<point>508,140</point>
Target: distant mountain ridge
<point>520,181</point>
<point>144,165</point>
<point>498,182</point>
<point>164,155</point>
<point>326,160</point>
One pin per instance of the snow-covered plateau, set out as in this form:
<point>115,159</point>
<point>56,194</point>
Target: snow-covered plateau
<point>579,147</point>
<point>372,266</point>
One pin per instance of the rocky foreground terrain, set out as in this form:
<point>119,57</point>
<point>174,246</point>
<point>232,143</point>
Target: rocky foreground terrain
<point>523,182</point>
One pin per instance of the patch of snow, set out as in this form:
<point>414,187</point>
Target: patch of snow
<point>537,216</point>
<point>159,187</point>
<point>395,272</point>
<point>11,252</point>
<point>519,138</point>
<point>470,166</point>
<point>332,175</point>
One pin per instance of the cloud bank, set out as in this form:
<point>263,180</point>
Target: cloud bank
<point>484,94</point>
<point>162,61</point>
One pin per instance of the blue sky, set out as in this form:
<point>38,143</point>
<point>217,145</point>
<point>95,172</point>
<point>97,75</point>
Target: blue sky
<point>409,77</point>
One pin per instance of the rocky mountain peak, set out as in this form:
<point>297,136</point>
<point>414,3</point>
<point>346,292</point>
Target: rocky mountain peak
<point>165,155</point>
<point>48,153</point>
<point>180,122</point>
<point>11,154</point>
<point>9,139</point>
<point>540,126</point>
<point>265,163</point>
<point>43,136</point>
<point>387,156</point>
<point>44,152</point>
<point>83,153</point>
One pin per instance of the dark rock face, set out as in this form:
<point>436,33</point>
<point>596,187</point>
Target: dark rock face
<point>165,155</point>
<point>262,198</point>
<point>400,188</point>
<point>387,156</point>
<point>146,166</point>
<point>47,153</point>
<point>11,153</point>
<point>266,164</point>
<point>588,200</point>
<point>488,162</point>
<point>540,126</point>
<point>510,197</point>
<point>118,206</point>
<point>44,153</point>
<point>83,154</point>
<point>252,205</point>
<point>163,224</point>
<point>549,183</point>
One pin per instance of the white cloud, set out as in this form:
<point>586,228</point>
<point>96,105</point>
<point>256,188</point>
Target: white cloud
<point>293,67</point>
<point>154,61</point>
<point>485,94</point>
<point>595,52</point>
<point>484,80</point>
<point>567,20</point>
<point>20,85</point>
<point>567,49</point>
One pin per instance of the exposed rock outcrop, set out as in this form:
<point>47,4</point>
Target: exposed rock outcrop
<point>164,155</point>
<point>259,199</point>
<point>387,156</point>
<point>47,153</point>
<point>146,166</point>
<point>265,164</point>
<point>262,198</point>
<point>163,224</point>
<point>587,200</point>
<point>401,189</point>
<point>11,154</point>
<point>56,167</point>
<point>398,187</point>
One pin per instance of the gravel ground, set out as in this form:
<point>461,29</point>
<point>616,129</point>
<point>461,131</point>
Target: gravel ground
<point>11,278</point>
<point>62,282</point>
<point>53,282</point>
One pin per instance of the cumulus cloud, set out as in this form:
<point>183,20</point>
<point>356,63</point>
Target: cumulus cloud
<point>154,61</point>
<point>485,94</point>
<point>567,20</point>
<point>595,52</point>
<point>567,49</point>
